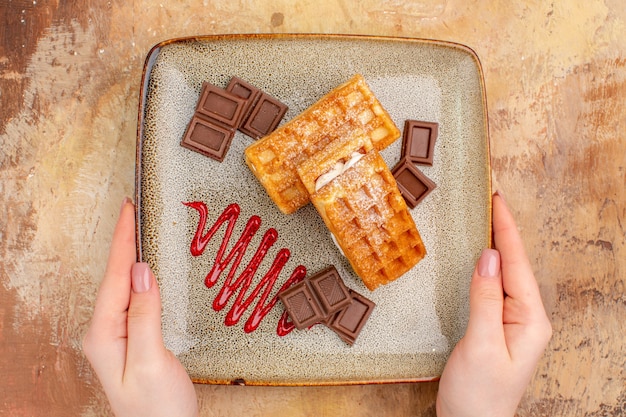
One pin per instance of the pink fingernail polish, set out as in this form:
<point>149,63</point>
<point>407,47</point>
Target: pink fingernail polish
<point>141,277</point>
<point>489,263</point>
<point>125,201</point>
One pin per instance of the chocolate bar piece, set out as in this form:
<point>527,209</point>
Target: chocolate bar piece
<point>412,183</point>
<point>265,117</point>
<point>332,293</point>
<point>301,304</point>
<point>220,105</point>
<point>419,141</point>
<point>220,112</point>
<point>349,322</point>
<point>247,91</point>
<point>208,138</point>
<point>324,298</point>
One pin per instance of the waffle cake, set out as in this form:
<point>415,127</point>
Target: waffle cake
<point>349,108</point>
<point>364,210</point>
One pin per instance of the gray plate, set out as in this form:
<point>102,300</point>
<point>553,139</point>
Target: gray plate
<point>418,318</point>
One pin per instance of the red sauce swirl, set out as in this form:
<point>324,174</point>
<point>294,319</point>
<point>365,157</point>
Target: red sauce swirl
<point>243,282</point>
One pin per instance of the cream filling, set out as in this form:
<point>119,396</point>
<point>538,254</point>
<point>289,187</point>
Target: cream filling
<point>337,170</point>
<point>334,239</point>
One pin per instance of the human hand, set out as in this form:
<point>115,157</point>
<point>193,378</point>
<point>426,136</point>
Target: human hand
<point>508,330</point>
<point>124,342</point>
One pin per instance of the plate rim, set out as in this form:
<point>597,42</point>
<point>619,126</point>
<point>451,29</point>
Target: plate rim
<point>149,61</point>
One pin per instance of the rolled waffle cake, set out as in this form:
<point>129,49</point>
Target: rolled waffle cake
<point>348,110</point>
<point>363,208</point>
<point>329,155</point>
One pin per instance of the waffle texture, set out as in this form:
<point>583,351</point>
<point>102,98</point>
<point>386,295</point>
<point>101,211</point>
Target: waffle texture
<point>371,222</point>
<point>348,111</point>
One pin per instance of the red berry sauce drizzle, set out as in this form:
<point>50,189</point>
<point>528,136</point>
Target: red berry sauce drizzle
<point>243,281</point>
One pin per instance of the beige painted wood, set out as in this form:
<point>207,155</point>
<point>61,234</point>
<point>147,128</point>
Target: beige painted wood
<point>555,76</point>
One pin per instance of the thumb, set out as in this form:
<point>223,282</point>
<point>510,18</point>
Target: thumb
<point>486,299</point>
<point>145,340</point>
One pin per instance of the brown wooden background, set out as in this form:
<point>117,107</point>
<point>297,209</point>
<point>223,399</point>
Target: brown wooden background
<point>69,78</point>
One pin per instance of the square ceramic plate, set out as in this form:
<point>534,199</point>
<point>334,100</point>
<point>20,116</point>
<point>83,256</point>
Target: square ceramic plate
<point>418,318</point>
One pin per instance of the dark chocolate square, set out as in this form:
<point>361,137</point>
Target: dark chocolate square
<point>208,138</point>
<point>332,293</point>
<point>265,117</point>
<point>419,141</point>
<point>220,105</point>
<point>301,304</point>
<point>349,321</point>
<point>247,91</point>
<point>412,183</point>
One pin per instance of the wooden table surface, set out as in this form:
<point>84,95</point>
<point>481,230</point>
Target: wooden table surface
<point>555,77</point>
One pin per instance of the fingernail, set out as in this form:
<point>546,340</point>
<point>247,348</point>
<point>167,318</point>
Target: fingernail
<point>499,194</point>
<point>125,201</point>
<point>141,277</point>
<point>489,263</point>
